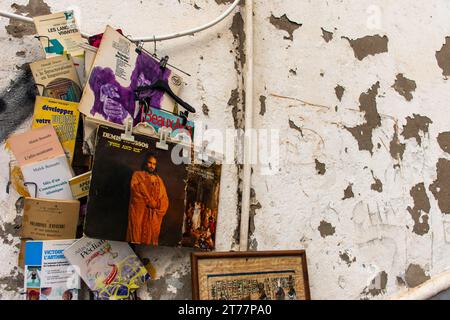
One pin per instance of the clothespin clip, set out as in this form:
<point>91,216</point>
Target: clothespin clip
<point>163,62</point>
<point>48,42</point>
<point>184,116</point>
<point>128,135</point>
<point>140,47</point>
<point>164,134</point>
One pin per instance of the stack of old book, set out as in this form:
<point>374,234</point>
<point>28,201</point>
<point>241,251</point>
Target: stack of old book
<point>81,212</point>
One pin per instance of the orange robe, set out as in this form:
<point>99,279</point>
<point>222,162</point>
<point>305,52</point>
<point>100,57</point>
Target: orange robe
<point>144,222</point>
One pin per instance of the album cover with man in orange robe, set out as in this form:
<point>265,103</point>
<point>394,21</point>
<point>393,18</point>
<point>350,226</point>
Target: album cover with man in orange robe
<point>137,193</point>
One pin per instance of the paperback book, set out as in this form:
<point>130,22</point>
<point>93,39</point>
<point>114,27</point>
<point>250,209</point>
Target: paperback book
<point>48,274</point>
<point>110,269</point>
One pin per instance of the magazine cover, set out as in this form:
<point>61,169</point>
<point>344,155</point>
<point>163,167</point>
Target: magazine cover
<point>63,116</point>
<point>118,70</point>
<point>202,206</point>
<point>137,193</point>
<point>48,274</point>
<point>57,78</point>
<point>158,118</point>
<point>110,269</point>
<point>59,34</point>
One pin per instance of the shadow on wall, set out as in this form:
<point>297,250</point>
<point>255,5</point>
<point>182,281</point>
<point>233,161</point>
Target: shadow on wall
<point>442,296</point>
<point>16,103</point>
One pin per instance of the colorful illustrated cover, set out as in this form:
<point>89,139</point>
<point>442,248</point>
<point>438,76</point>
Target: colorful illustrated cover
<point>59,34</point>
<point>158,118</point>
<point>48,274</point>
<point>50,219</point>
<point>137,192</point>
<point>57,78</point>
<point>97,39</point>
<point>118,70</point>
<point>35,145</point>
<point>202,206</point>
<point>63,116</point>
<point>49,179</point>
<point>110,269</point>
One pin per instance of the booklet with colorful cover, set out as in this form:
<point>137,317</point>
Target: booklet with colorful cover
<point>158,118</point>
<point>118,70</point>
<point>110,269</point>
<point>57,78</point>
<point>137,192</point>
<point>48,274</point>
<point>63,116</point>
<point>59,34</point>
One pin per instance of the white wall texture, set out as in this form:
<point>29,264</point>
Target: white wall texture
<point>362,183</point>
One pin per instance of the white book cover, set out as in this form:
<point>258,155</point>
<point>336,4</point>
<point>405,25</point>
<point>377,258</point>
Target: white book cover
<point>110,269</point>
<point>49,179</point>
<point>48,274</point>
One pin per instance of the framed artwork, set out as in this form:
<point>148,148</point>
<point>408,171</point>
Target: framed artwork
<point>274,275</point>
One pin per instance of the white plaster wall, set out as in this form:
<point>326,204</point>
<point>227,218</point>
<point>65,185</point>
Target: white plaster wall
<point>372,230</point>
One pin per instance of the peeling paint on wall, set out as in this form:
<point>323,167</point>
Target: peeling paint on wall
<point>444,141</point>
<point>368,45</point>
<point>377,286</point>
<point>415,276</point>
<point>396,148</point>
<point>443,57</point>
<point>416,125</point>
<point>404,86</point>
<point>348,193</point>
<point>339,90</point>
<point>285,24</point>
<point>363,133</point>
<point>421,209</point>
<point>262,101</point>
<point>441,187</point>
<point>326,229</point>
<point>320,168</point>
<point>377,185</point>
<point>327,35</point>
<point>34,8</point>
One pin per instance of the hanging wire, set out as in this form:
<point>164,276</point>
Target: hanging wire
<point>151,38</point>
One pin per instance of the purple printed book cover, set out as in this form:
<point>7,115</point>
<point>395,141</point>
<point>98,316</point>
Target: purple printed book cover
<point>118,70</point>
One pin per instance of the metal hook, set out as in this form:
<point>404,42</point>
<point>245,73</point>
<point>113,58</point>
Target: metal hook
<point>26,184</point>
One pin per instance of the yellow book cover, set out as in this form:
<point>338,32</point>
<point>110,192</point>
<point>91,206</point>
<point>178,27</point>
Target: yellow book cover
<point>63,116</point>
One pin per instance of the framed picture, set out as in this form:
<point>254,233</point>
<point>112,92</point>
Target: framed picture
<point>275,275</point>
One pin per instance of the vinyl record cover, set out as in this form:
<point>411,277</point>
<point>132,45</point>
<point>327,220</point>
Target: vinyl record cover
<point>137,192</point>
<point>118,70</point>
<point>202,206</point>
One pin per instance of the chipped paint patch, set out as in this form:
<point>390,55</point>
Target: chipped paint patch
<point>416,125</point>
<point>363,133</point>
<point>205,110</point>
<point>415,276</point>
<point>444,141</point>
<point>321,168</point>
<point>377,185</point>
<point>326,229</point>
<point>293,126</point>
<point>443,57</point>
<point>345,256</point>
<point>396,148</point>
<point>254,206</point>
<point>441,187</point>
<point>327,35</point>
<point>262,101</point>
<point>348,193</point>
<point>368,45</point>
<point>404,86</point>
<point>34,8</point>
<point>285,24</point>
<point>377,287</point>
<point>339,90</point>
<point>420,211</point>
